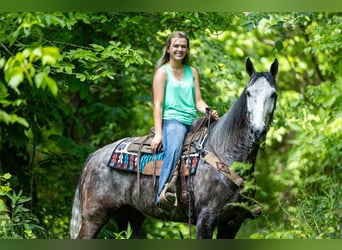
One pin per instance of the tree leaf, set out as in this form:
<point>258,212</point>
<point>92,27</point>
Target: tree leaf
<point>15,78</point>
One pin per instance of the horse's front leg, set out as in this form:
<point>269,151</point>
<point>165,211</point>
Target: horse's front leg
<point>205,224</point>
<point>228,230</point>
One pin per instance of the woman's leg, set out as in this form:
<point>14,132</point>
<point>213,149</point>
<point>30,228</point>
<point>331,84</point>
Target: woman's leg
<point>173,136</point>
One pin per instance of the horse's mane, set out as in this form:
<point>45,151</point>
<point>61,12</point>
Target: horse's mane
<point>225,132</point>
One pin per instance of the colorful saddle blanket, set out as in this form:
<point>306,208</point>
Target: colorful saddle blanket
<point>122,159</point>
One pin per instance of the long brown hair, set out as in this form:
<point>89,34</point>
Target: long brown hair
<point>166,56</point>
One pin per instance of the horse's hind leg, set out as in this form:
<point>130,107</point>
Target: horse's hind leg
<point>92,221</point>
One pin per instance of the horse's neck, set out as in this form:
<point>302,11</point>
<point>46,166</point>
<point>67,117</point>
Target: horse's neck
<point>240,151</point>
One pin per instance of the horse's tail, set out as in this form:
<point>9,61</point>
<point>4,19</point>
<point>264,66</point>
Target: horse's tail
<point>76,215</point>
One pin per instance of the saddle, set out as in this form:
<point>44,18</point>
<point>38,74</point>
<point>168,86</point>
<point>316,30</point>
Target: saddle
<point>193,141</point>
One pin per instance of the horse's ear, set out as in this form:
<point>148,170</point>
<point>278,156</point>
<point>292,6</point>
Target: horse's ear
<point>249,67</point>
<point>274,67</point>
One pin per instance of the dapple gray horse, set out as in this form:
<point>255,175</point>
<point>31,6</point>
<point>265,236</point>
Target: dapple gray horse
<point>103,193</point>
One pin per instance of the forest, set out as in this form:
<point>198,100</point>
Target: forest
<point>72,82</point>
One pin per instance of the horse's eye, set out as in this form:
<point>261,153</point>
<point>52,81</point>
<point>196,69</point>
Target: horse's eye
<point>274,95</point>
<point>248,93</point>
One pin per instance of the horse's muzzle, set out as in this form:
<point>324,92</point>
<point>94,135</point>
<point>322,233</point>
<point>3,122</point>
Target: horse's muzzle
<point>258,134</point>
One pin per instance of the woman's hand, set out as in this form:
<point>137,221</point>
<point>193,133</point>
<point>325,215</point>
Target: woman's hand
<point>214,114</point>
<point>156,144</point>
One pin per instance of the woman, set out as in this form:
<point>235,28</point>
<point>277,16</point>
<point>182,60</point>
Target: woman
<point>176,100</point>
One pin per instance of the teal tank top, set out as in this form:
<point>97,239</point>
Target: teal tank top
<point>179,98</point>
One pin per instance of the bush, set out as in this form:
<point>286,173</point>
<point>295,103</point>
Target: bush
<point>17,222</point>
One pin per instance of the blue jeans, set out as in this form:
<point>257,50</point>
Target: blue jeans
<point>173,136</point>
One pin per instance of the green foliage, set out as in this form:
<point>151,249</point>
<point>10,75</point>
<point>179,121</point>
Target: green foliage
<point>22,67</point>
<point>318,157</point>
<point>17,222</point>
<point>158,229</point>
<point>123,235</point>
<point>72,82</point>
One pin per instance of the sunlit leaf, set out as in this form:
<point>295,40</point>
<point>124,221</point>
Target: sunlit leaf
<point>16,77</point>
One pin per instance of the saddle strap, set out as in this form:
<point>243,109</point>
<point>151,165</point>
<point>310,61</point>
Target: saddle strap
<point>223,168</point>
<point>186,197</point>
<point>138,160</point>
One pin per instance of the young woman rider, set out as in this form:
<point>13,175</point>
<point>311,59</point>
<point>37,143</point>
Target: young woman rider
<point>176,100</point>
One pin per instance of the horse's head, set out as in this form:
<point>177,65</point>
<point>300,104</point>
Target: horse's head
<point>261,94</point>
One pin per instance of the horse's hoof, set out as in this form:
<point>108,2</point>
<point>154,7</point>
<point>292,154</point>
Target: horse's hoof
<point>256,212</point>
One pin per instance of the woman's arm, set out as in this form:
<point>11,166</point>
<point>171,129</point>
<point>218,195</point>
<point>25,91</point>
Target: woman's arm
<point>159,80</point>
<point>201,105</point>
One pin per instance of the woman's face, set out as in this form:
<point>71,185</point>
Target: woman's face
<point>178,48</point>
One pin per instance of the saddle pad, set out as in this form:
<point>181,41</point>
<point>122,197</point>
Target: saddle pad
<point>121,159</point>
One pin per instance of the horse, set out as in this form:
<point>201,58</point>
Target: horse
<point>104,193</point>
